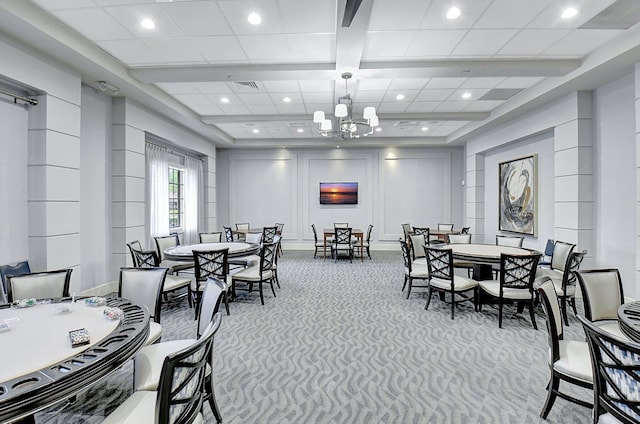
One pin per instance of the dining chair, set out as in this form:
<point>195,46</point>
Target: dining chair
<point>253,238</point>
<point>208,264</point>
<point>566,286</point>
<point>602,295</point>
<point>569,360</point>
<point>134,245</point>
<point>406,230</point>
<point>342,243</point>
<point>268,233</point>
<point>38,285</point>
<point>445,227</point>
<point>421,230</point>
<point>260,274</point>
<point>442,279</point>
<point>165,242</point>
<point>416,249</point>
<point>616,376</point>
<point>274,266</point>
<point>215,237</point>
<point>318,245</point>
<point>181,388</point>
<point>143,286</point>
<point>17,268</point>
<point>172,283</point>
<point>517,273</point>
<point>511,241</point>
<point>412,271</point>
<point>366,243</point>
<point>244,227</point>
<point>465,230</point>
<point>149,360</point>
<point>548,253</point>
<point>228,234</point>
<point>460,239</point>
<point>561,251</point>
<point>279,228</point>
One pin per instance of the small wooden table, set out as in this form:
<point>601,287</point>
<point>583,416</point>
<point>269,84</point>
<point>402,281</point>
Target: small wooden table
<point>355,232</point>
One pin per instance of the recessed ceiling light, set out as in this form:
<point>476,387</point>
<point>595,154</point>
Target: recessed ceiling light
<point>466,95</point>
<point>400,97</point>
<point>300,130</point>
<point>378,129</point>
<point>254,19</point>
<point>255,131</point>
<point>453,13</point>
<point>569,13</point>
<point>286,99</point>
<point>337,147</point>
<point>224,100</point>
<point>425,128</point>
<point>147,24</point>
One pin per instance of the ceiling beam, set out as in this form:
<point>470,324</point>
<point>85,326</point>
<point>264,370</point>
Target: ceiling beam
<point>319,71</point>
<point>350,40</point>
<point>430,116</point>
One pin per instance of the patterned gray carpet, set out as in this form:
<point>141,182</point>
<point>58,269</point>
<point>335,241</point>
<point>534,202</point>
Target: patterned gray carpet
<point>341,344</point>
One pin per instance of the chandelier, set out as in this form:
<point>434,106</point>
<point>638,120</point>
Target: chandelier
<point>346,126</point>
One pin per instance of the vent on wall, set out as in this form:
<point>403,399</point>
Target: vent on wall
<point>622,14</point>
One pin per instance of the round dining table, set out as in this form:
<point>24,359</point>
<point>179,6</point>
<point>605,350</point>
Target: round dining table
<point>39,364</point>
<point>629,320</point>
<point>236,249</point>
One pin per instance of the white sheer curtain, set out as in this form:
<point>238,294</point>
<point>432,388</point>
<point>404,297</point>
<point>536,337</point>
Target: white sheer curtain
<point>193,176</point>
<point>157,177</point>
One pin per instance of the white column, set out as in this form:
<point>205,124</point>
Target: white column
<point>210,215</point>
<point>474,183</point>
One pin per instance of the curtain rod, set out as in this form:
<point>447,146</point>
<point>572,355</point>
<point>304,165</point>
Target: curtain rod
<point>17,97</point>
<point>174,152</point>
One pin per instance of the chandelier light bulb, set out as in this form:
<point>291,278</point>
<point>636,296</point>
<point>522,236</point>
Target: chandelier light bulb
<point>318,117</point>
<point>369,112</point>
<point>326,125</point>
<point>341,110</point>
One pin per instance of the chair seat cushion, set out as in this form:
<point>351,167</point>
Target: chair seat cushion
<point>575,360</point>
<point>419,272</point>
<point>608,419</point>
<point>148,362</point>
<point>155,332</point>
<point>174,282</point>
<point>459,283</point>
<point>493,288</point>
<point>139,408</point>
<point>245,261</point>
<point>252,274</point>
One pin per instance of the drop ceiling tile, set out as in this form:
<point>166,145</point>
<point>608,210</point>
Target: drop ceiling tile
<point>389,15</point>
<point>483,42</point>
<point>173,50</point>
<point>317,97</point>
<point>255,99</point>
<point>237,12</point>
<point>417,131</point>
<point>214,87</point>
<point>211,20</point>
<point>532,41</point>
<point>281,86</point>
<point>291,108</point>
<point>386,44</point>
<point>436,17</point>
<point>392,107</point>
<point>409,95</point>
<point>118,2</point>
<point>307,16</point>
<point>178,87</point>
<point>365,85</point>
<point>441,132</point>
<point>265,109</point>
<point>482,82</point>
<point>218,49</point>
<point>519,82</point>
<point>433,94</point>
<point>294,96</point>
<point>399,131</point>
<point>581,42</point>
<point>445,82</point>
<point>417,107</point>
<point>233,131</point>
<point>129,52</point>
<point>63,4</point>
<point>85,22</point>
<point>511,13</point>
<point>233,109</point>
<point>452,106</point>
<point>483,105</point>
<point>408,83</point>
<point>587,9</point>
<point>193,99</point>
<point>265,47</point>
<point>206,110</point>
<point>327,108</point>
<point>312,47</point>
<point>316,86</point>
<point>233,99</point>
<point>367,96</point>
<point>476,93</point>
<point>434,42</point>
<point>131,15</point>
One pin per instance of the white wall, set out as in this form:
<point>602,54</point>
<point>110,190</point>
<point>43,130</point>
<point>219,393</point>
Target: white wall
<point>616,178</point>
<point>14,226</point>
<point>421,186</point>
<point>541,145</point>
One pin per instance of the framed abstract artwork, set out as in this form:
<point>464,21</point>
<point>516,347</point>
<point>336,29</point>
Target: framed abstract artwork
<point>518,198</point>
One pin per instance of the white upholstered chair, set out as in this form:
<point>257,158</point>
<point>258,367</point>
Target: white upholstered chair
<point>602,295</point>
<point>413,271</point>
<point>512,241</point>
<point>38,285</point>
<point>215,237</point>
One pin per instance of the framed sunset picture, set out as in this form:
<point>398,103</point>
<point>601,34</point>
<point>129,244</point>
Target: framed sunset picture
<point>339,193</point>
<point>517,208</point>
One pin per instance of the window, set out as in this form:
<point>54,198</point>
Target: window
<point>176,198</point>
